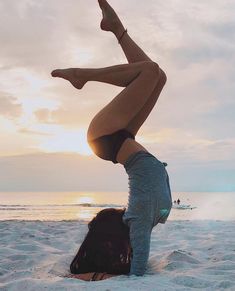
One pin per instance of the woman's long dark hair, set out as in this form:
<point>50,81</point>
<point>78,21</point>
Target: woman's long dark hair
<point>106,247</point>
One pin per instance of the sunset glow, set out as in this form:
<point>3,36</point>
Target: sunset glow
<point>85,214</point>
<point>85,200</point>
<point>70,141</point>
<point>191,126</point>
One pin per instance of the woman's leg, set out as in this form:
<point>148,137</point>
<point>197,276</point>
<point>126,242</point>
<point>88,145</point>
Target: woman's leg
<point>133,53</point>
<point>111,22</point>
<point>119,75</point>
<point>139,78</point>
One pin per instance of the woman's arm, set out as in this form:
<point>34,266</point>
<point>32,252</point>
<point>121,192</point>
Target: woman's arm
<point>140,236</point>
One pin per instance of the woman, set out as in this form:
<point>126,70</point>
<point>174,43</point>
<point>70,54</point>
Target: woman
<point>118,241</point>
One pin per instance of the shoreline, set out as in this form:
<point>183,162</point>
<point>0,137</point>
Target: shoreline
<point>86,221</point>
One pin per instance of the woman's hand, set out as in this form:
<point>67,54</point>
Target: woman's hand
<point>88,276</point>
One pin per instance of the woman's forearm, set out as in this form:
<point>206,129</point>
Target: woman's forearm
<point>140,236</point>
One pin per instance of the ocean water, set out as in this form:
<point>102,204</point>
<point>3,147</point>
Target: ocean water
<point>57,206</point>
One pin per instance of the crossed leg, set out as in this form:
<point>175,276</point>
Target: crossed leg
<point>133,53</point>
<point>142,78</point>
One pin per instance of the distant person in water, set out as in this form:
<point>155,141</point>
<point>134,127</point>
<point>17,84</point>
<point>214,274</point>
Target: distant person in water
<point>178,202</point>
<point>118,240</point>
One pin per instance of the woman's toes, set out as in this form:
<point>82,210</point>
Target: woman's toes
<point>110,21</point>
<point>101,3</point>
<point>55,73</point>
<point>72,75</point>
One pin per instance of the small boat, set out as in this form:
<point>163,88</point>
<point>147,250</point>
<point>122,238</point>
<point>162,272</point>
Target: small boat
<point>182,206</point>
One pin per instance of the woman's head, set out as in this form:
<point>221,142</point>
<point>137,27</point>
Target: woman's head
<point>106,247</point>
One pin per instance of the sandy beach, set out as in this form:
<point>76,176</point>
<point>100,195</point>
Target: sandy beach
<point>161,72</point>
<point>185,255</point>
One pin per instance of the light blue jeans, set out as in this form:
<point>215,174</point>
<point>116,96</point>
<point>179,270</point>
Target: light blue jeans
<point>149,203</point>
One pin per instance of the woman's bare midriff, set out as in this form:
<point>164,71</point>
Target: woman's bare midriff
<point>129,147</point>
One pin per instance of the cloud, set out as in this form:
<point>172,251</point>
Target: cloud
<point>9,107</point>
<point>77,108</point>
<point>47,32</point>
<point>33,132</point>
<point>43,115</point>
<point>180,146</point>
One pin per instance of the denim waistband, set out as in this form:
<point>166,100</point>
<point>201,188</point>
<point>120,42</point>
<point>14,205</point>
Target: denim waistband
<point>135,156</point>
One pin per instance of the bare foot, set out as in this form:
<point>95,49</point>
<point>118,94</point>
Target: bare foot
<point>72,75</point>
<point>110,21</point>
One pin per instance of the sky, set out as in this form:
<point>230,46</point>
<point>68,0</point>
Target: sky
<point>44,120</point>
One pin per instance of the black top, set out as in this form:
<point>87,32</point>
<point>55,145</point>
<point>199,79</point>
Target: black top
<point>107,146</point>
